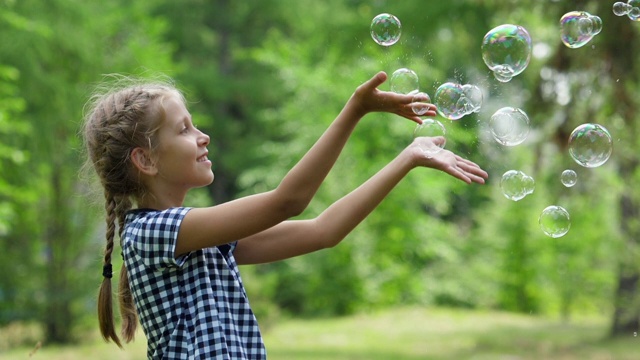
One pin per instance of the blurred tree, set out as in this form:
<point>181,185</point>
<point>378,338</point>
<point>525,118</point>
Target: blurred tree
<point>225,87</point>
<point>59,48</point>
<point>264,79</point>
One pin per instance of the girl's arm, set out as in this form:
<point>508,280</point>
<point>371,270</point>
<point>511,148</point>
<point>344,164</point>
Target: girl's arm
<point>297,237</point>
<point>221,224</point>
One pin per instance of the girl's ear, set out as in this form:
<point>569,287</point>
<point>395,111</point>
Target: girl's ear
<point>143,161</point>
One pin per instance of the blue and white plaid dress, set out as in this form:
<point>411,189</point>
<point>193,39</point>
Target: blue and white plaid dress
<point>192,307</point>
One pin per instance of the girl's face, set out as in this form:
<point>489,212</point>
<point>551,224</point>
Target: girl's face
<point>181,155</point>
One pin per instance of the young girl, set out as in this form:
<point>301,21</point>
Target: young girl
<point>180,275</point>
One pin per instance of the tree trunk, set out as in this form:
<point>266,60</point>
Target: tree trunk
<point>58,319</point>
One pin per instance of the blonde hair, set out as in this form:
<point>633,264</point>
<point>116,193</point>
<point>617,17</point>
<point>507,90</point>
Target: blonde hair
<point>118,120</point>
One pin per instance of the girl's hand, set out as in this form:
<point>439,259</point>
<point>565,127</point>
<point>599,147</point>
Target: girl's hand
<point>445,160</point>
<point>369,98</point>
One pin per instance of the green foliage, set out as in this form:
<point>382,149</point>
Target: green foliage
<point>264,79</point>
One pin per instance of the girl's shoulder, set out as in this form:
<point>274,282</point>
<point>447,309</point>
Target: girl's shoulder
<point>172,215</point>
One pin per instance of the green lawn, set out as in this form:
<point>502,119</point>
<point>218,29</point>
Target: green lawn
<point>407,334</point>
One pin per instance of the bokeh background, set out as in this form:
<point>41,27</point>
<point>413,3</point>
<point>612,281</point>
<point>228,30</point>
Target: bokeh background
<point>440,270</point>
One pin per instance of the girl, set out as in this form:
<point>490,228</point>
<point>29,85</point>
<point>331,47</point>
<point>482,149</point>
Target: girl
<point>180,275</point>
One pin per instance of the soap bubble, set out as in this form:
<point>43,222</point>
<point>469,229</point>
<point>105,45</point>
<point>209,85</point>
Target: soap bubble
<point>506,50</point>
<point>568,178</point>
<point>515,185</point>
<point>472,98</point>
<point>590,145</point>
<point>578,28</point>
<point>621,8</point>
<point>386,29</point>
<point>509,126</point>
<point>430,128</point>
<point>634,11</point>
<point>554,221</point>
<point>597,25</point>
<point>454,101</point>
<point>404,81</point>
<point>420,103</point>
<point>447,100</point>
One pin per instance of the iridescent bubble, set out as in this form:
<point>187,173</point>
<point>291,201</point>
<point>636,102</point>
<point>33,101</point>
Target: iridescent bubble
<point>472,98</point>
<point>634,11</point>
<point>420,103</point>
<point>386,29</point>
<point>590,145</point>
<point>447,100</point>
<point>506,50</point>
<point>515,185</point>
<point>578,28</point>
<point>509,126</point>
<point>404,81</point>
<point>621,8</point>
<point>430,128</point>
<point>568,178</point>
<point>597,25</point>
<point>554,221</point>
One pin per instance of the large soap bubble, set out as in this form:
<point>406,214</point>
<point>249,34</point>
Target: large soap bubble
<point>509,126</point>
<point>578,28</point>
<point>386,29</point>
<point>506,50</point>
<point>590,145</point>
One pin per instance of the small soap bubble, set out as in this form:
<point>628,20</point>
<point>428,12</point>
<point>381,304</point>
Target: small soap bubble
<point>430,128</point>
<point>386,29</point>
<point>515,185</point>
<point>634,11</point>
<point>635,334</point>
<point>506,50</point>
<point>447,100</point>
<point>503,73</point>
<point>420,103</point>
<point>554,221</point>
<point>568,178</point>
<point>621,8</point>
<point>404,81</point>
<point>578,28</point>
<point>509,126</point>
<point>590,145</point>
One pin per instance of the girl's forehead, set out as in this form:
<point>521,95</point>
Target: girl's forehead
<point>174,104</point>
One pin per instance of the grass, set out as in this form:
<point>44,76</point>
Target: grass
<point>406,334</point>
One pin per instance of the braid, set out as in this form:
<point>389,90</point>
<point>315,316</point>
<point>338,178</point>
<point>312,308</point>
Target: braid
<point>105,301</point>
<point>119,121</point>
<point>127,306</point>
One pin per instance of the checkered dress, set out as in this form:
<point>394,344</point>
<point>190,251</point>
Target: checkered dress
<point>192,307</point>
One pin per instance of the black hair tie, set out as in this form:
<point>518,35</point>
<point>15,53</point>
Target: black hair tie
<point>107,271</point>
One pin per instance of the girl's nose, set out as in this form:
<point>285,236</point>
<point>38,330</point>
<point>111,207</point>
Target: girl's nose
<point>204,139</point>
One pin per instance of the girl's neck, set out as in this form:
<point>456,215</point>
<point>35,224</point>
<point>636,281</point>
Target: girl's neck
<point>166,201</point>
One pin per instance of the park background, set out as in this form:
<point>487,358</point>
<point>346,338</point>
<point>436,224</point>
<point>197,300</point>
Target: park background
<point>440,270</point>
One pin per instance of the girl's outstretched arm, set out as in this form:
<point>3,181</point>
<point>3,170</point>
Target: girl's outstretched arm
<point>297,237</point>
<point>205,227</point>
